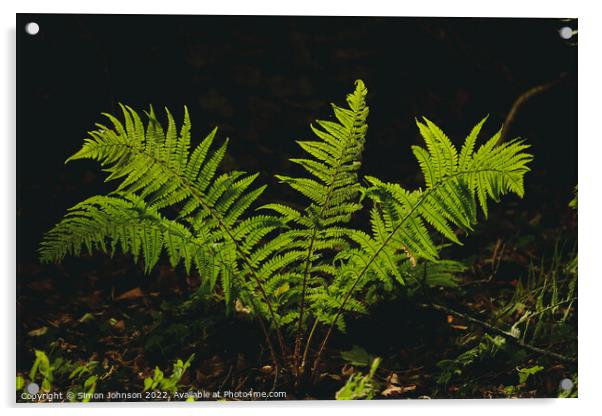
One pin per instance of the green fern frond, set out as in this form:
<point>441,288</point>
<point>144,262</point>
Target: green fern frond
<point>126,222</point>
<point>159,171</point>
<point>333,191</point>
<point>336,160</point>
<point>401,219</point>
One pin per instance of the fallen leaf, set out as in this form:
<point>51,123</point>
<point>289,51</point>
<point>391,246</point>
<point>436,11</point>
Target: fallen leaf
<point>394,379</point>
<point>62,319</point>
<point>87,317</point>
<point>64,345</point>
<point>119,325</point>
<point>266,369</point>
<point>392,390</point>
<point>131,294</point>
<point>38,332</point>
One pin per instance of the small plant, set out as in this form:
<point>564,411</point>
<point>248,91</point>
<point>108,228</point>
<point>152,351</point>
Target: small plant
<point>544,302</point>
<point>485,350</point>
<point>357,356</point>
<point>83,380</point>
<point>526,372</point>
<point>43,368</point>
<point>360,386</point>
<point>167,384</point>
<point>299,272</point>
<point>48,373</point>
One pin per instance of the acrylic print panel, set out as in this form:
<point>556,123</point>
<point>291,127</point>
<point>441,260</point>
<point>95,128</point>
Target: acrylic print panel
<point>221,231</point>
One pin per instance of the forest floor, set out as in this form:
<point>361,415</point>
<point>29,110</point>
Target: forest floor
<point>102,321</point>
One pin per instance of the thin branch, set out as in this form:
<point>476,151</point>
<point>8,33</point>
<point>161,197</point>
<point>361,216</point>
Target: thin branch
<point>272,352</point>
<point>494,330</point>
<point>524,97</point>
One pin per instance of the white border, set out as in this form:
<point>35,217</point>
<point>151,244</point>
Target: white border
<point>590,71</point>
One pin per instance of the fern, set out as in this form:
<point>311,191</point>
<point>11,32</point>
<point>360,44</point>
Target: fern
<point>333,192</point>
<point>400,219</point>
<point>160,172</point>
<point>289,265</point>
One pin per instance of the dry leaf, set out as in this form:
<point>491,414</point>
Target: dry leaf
<point>62,319</point>
<point>119,325</point>
<point>266,369</point>
<point>131,294</point>
<point>347,370</point>
<point>38,332</point>
<point>392,390</point>
<point>239,307</point>
<point>394,379</point>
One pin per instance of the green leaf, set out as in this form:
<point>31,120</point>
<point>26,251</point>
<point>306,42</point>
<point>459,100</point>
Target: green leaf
<point>20,383</point>
<point>357,356</point>
<point>525,373</point>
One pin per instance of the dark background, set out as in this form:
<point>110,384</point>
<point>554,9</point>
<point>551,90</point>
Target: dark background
<point>262,80</point>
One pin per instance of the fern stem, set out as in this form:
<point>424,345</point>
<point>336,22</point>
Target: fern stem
<point>298,337</point>
<point>272,350</point>
<point>377,252</point>
<point>308,261</point>
<point>307,344</point>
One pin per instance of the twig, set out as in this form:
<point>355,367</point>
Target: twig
<point>524,97</point>
<point>272,351</point>
<point>226,379</point>
<point>498,331</point>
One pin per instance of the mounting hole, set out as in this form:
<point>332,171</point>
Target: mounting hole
<point>566,384</point>
<point>565,32</point>
<point>32,28</point>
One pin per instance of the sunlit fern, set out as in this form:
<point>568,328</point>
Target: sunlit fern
<point>288,265</point>
<point>456,182</point>
<point>159,171</point>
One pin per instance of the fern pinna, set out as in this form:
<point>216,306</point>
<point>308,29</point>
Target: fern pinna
<point>300,269</point>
